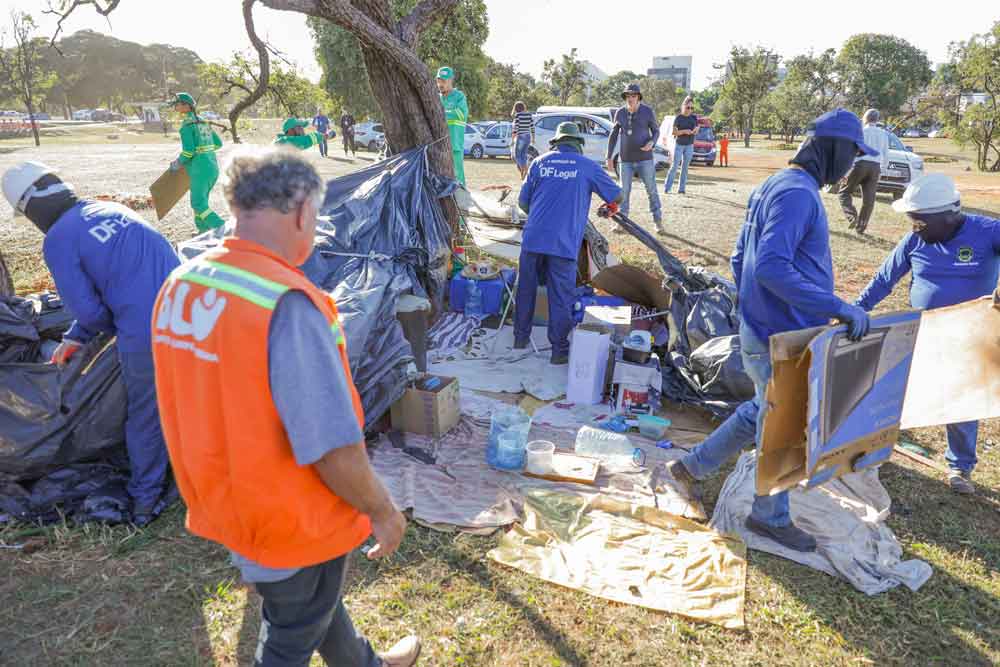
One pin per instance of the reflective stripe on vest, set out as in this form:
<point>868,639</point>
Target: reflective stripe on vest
<point>248,286</point>
<point>207,149</point>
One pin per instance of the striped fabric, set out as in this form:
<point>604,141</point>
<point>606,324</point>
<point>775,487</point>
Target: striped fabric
<point>523,123</point>
<point>450,333</point>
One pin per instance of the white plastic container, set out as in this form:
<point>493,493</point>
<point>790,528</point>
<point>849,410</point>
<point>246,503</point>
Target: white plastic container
<point>539,457</point>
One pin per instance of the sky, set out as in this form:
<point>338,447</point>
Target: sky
<point>528,32</point>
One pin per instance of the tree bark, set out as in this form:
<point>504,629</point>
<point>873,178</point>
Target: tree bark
<point>6,280</point>
<point>263,76</point>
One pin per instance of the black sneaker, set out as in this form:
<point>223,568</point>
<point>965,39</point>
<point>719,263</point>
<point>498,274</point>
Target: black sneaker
<point>520,344</point>
<point>559,359</point>
<point>961,483</point>
<point>790,536</point>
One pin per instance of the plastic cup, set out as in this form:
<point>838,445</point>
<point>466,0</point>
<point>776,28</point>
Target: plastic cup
<point>539,457</point>
<point>510,451</point>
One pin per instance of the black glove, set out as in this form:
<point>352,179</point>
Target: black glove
<point>607,210</point>
<point>856,319</point>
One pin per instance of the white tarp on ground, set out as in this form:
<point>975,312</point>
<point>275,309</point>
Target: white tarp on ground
<point>847,517</point>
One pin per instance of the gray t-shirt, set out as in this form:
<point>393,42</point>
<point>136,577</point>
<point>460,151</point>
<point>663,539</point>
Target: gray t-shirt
<point>310,392</point>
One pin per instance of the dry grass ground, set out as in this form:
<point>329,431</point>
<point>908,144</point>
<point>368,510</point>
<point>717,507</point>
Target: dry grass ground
<point>100,596</point>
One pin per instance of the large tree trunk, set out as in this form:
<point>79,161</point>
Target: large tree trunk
<point>402,84</point>
<point>6,280</point>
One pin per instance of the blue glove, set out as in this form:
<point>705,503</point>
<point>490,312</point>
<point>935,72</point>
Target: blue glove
<point>856,320</point>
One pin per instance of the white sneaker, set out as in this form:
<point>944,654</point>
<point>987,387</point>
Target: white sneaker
<point>403,654</point>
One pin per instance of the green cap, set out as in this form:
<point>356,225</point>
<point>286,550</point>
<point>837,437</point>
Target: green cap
<point>446,73</point>
<point>567,131</point>
<point>183,98</point>
<point>293,122</point>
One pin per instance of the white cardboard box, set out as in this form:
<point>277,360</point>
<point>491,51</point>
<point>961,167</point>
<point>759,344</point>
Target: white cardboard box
<point>588,364</point>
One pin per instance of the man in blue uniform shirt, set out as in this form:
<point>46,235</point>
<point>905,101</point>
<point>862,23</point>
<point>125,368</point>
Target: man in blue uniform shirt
<point>952,257</point>
<point>784,274</point>
<point>556,195</point>
<point>108,266</point>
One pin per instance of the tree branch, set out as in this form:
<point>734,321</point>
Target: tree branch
<point>423,15</point>
<point>66,9</point>
<point>265,68</point>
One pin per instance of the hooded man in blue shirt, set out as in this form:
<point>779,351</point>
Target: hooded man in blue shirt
<point>952,257</point>
<point>784,274</point>
<point>556,195</point>
<point>108,266</point>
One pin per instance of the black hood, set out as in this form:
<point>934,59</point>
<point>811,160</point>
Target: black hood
<point>46,211</point>
<point>827,159</point>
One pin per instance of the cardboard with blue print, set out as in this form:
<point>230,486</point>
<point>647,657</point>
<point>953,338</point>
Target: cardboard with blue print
<point>834,405</point>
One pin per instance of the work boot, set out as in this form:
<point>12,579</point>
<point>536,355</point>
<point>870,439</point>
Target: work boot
<point>961,482</point>
<point>559,358</point>
<point>790,536</point>
<point>520,344</point>
<point>686,482</point>
<point>403,654</point>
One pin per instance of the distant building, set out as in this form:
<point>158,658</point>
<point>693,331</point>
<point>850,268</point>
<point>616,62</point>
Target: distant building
<point>593,74</point>
<point>673,68</point>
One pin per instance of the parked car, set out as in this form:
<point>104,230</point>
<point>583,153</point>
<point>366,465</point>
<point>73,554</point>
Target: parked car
<point>911,133</point>
<point>939,133</point>
<point>82,114</point>
<point>209,115</point>
<point>483,125</point>
<point>904,167</point>
<point>39,115</point>
<point>9,113</point>
<point>369,134</point>
<point>475,143</point>
<point>601,112</point>
<point>704,143</point>
<point>596,133</point>
<point>498,139</point>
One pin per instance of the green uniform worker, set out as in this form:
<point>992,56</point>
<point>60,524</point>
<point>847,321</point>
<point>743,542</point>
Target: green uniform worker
<point>294,134</point>
<point>198,145</point>
<point>456,112</point>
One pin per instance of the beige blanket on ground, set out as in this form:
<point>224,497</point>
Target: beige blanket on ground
<point>628,553</point>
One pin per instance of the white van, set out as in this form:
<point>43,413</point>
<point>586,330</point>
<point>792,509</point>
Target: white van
<point>596,132</point>
<point>600,112</point>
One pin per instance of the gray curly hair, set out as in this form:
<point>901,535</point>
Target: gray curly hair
<point>279,179</point>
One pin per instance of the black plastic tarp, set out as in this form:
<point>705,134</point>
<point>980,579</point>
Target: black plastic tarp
<point>702,316</point>
<point>381,234</point>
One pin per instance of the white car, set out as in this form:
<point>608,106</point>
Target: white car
<point>905,166</point>
<point>475,143</point>
<point>369,134</point>
<point>596,133</point>
<point>82,114</point>
<point>498,139</point>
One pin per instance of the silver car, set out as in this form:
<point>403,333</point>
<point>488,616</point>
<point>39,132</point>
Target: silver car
<point>369,135</point>
<point>596,133</point>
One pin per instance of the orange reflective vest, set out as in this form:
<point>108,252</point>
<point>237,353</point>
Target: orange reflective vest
<point>228,447</point>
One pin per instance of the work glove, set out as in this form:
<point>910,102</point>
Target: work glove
<point>608,210</point>
<point>67,348</point>
<point>175,165</point>
<point>856,320</point>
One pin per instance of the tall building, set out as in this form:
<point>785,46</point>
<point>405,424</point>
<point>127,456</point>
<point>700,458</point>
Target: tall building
<point>593,74</point>
<point>675,68</point>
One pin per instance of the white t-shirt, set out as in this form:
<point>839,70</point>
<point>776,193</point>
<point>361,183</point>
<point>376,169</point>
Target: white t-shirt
<point>878,139</point>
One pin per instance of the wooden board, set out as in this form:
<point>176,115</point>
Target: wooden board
<point>571,468</point>
<point>168,189</point>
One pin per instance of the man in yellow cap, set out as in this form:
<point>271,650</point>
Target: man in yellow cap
<point>199,142</point>
<point>293,133</point>
<point>456,112</point>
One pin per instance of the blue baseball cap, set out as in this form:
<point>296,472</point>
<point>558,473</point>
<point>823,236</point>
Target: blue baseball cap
<point>841,124</point>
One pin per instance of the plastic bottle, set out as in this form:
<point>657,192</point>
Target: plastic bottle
<point>607,446</point>
<point>473,299</point>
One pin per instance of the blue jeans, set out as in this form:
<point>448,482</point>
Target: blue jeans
<point>646,171</point>
<point>740,429</point>
<point>323,145</point>
<point>521,150</point>
<point>304,614</point>
<point>558,274</point>
<point>681,154</point>
<point>961,454</point>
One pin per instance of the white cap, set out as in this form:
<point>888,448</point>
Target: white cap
<point>933,193</point>
<point>19,179</point>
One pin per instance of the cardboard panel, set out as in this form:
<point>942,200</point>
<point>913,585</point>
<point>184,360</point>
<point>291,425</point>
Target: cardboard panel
<point>634,285</point>
<point>955,375</point>
<point>169,189</point>
<point>781,461</point>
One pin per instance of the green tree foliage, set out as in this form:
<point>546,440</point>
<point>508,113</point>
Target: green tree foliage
<point>881,71</point>
<point>705,100</point>
<point>788,108</point>
<point>662,95</point>
<point>820,77</point>
<point>23,73</point>
<point>456,40</point>
<point>609,92</point>
<point>750,75</point>
<point>507,86</point>
<point>975,68</point>
<point>566,77</point>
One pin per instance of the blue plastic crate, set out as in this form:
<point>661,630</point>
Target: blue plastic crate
<point>492,291</point>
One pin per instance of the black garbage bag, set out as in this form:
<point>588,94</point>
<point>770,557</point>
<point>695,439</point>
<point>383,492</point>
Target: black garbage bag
<point>51,416</point>
<point>712,314</point>
<point>381,234</point>
<point>718,366</point>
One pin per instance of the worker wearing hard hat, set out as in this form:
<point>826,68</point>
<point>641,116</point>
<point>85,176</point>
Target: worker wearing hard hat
<point>556,194</point>
<point>953,257</point>
<point>293,133</point>
<point>783,271</point>
<point>456,113</point>
<point>108,266</point>
<point>199,142</point>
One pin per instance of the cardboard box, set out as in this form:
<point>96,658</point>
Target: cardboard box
<point>834,405</point>
<point>428,411</point>
<point>613,320</point>
<point>588,366</point>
